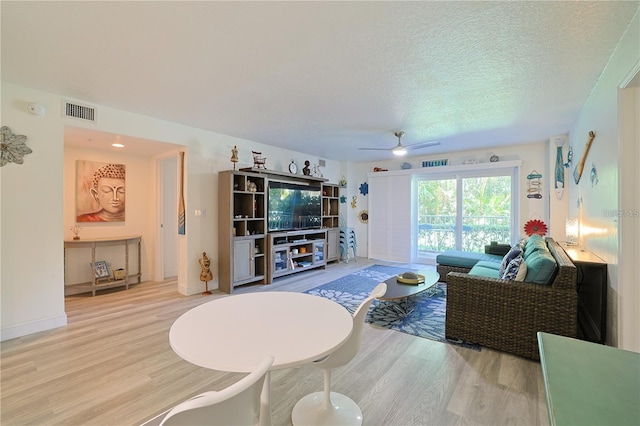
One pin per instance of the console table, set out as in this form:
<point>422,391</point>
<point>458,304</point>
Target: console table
<point>589,384</point>
<point>592,293</point>
<point>94,243</point>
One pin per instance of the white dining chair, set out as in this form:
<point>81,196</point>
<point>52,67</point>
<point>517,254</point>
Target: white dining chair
<point>332,408</point>
<point>238,404</point>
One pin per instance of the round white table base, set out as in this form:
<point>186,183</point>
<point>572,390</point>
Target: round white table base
<point>309,411</point>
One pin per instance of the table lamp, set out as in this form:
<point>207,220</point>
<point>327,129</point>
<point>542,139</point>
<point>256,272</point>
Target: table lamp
<point>572,231</point>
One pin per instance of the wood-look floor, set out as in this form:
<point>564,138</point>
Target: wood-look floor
<point>112,365</point>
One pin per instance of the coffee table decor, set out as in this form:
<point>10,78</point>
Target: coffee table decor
<point>410,278</point>
<point>426,320</point>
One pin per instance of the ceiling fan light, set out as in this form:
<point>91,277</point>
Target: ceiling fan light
<point>399,151</point>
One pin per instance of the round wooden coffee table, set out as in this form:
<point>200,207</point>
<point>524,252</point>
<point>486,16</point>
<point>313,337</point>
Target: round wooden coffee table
<point>400,296</point>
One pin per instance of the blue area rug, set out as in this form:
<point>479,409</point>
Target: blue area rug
<point>426,320</point>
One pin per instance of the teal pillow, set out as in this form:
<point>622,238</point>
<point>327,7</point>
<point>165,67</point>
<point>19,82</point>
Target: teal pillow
<point>532,239</point>
<point>535,245</point>
<point>540,267</point>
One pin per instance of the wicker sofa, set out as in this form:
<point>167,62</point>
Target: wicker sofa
<point>506,315</point>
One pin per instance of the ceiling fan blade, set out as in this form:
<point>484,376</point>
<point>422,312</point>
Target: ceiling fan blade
<point>422,145</point>
<point>400,149</point>
<point>376,149</point>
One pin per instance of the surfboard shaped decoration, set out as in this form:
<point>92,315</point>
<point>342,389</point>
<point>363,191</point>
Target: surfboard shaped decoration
<point>559,181</point>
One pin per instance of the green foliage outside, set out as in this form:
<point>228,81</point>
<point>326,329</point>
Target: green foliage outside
<point>486,213</point>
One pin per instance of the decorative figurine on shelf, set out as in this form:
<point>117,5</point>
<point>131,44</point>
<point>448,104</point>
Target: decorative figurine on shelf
<point>258,161</point>
<point>76,232</point>
<point>234,156</point>
<point>205,275</point>
<point>306,170</point>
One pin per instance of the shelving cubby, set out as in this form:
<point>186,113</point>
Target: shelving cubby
<point>241,229</point>
<point>331,219</point>
<point>295,251</point>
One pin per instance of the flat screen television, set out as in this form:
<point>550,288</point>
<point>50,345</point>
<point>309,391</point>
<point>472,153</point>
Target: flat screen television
<point>293,206</point>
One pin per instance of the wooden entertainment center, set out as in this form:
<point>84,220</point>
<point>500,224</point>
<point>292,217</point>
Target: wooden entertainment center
<point>248,252</point>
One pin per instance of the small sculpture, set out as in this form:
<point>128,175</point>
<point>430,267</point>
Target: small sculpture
<point>234,156</point>
<point>205,275</point>
<point>76,232</point>
<point>258,161</point>
<point>306,170</point>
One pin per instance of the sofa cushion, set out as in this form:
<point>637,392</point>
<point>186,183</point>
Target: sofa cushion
<point>464,259</point>
<point>488,264</point>
<point>532,240</point>
<point>516,270</point>
<point>533,246</point>
<point>483,271</point>
<point>514,252</point>
<point>541,267</point>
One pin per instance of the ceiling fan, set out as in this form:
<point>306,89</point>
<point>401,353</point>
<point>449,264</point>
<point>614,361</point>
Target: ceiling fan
<point>402,149</point>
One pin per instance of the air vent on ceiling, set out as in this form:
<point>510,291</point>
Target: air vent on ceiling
<point>82,112</point>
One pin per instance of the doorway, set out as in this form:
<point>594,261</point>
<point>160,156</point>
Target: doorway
<point>168,220</point>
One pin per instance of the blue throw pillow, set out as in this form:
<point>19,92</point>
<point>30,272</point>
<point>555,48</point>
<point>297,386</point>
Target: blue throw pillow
<point>511,272</point>
<point>514,252</point>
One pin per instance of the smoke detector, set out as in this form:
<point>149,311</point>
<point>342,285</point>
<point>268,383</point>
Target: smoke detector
<point>36,109</point>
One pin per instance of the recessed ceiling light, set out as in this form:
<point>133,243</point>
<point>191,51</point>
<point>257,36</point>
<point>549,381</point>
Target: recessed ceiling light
<point>117,145</point>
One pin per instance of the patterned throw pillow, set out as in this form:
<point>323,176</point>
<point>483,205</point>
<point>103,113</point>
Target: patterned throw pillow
<point>522,271</point>
<point>511,272</point>
<point>514,252</point>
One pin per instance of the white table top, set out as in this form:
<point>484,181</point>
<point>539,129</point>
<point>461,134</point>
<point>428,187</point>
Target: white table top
<point>235,333</point>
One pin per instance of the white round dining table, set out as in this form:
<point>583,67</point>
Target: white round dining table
<point>235,333</point>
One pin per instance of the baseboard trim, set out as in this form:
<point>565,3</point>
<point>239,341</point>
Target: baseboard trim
<point>31,327</point>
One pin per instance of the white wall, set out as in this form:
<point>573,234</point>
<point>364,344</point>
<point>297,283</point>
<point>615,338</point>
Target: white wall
<point>599,204</point>
<point>31,232</point>
<point>34,221</point>
<point>534,156</point>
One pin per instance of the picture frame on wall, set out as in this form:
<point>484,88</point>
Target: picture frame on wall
<point>100,192</point>
<point>101,270</point>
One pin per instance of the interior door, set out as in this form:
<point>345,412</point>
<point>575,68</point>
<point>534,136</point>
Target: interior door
<point>169,221</point>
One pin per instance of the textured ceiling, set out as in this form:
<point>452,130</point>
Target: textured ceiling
<point>325,78</point>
